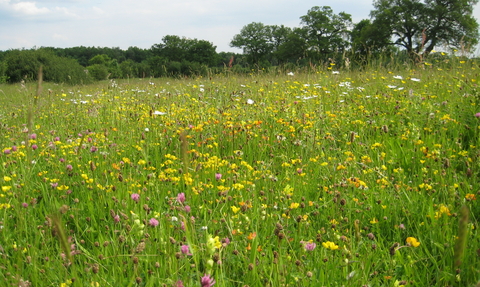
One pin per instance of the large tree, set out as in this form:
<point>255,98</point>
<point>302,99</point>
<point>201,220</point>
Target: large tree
<point>256,40</point>
<point>326,32</point>
<point>420,26</point>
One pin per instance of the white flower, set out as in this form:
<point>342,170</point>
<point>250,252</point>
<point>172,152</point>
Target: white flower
<point>335,72</point>
<point>250,102</point>
<point>391,86</point>
<point>147,130</point>
<point>159,113</point>
<point>398,77</point>
<point>291,74</point>
<point>415,79</point>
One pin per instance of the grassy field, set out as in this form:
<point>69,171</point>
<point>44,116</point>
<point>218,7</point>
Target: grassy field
<point>331,178</point>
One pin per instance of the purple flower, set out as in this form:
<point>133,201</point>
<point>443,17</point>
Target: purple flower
<point>25,204</point>
<point>54,184</point>
<point>218,176</point>
<point>135,197</point>
<point>93,149</point>
<point>310,246</point>
<point>33,136</point>
<point>7,151</point>
<point>116,218</point>
<point>14,148</point>
<point>34,147</point>
<point>207,281</point>
<point>477,115</point>
<point>69,167</point>
<point>153,222</point>
<point>179,283</point>
<point>185,250</point>
<point>187,208</point>
<point>181,197</point>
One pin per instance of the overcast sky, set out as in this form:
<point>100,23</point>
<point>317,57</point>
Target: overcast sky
<point>142,23</point>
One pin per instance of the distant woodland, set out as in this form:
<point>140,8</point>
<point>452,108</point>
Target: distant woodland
<point>399,31</point>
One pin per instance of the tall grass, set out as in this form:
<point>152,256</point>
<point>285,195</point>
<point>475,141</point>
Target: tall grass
<point>326,178</point>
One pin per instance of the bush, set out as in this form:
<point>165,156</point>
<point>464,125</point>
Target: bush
<point>98,72</point>
<point>25,64</point>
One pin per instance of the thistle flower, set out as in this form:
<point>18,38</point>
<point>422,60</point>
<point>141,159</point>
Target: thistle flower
<point>135,197</point>
<point>153,222</point>
<point>207,281</point>
<point>181,197</point>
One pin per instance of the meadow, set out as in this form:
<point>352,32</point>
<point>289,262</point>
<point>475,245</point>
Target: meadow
<point>326,178</point>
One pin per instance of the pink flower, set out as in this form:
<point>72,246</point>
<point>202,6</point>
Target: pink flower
<point>309,246</point>
<point>153,222</point>
<point>185,250</point>
<point>14,148</point>
<point>69,167</point>
<point>33,136</point>
<point>93,149</point>
<point>218,176</point>
<point>181,197</point>
<point>207,281</point>
<point>477,115</point>
<point>135,197</point>
<point>179,283</point>
<point>116,218</point>
<point>187,208</point>
<point>7,151</point>
<point>34,147</point>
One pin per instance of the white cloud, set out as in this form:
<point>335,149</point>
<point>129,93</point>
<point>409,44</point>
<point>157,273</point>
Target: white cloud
<point>28,8</point>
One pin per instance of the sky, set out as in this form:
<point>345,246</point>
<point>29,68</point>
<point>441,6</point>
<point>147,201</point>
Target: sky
<point>143,23</point>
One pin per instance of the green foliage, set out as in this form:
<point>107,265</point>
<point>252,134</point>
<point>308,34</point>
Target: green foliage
<point>256,40</point>
<point>98,72</point>
<point>3,72</point>
<point>326,32</point>
<point>24,65</point>
<point>420,26</point>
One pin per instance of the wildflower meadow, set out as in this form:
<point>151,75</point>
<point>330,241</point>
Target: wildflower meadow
<point>320,178</point>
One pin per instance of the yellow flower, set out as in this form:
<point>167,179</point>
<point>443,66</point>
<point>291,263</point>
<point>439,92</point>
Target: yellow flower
<point>412,241</point>
<point>330,245</point>
<point>235,209</point>
<point>7,178</point>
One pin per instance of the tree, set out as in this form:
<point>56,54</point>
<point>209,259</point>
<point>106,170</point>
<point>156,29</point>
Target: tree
<point>255,39</point>
<point>369,38</point>
<point>326,32</point>
<point>420,26</point>
<point>293,48</point>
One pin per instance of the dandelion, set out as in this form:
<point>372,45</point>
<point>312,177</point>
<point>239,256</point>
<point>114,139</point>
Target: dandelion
<point>412,241</point>
<point>470,196</point>
<point>207,281</point>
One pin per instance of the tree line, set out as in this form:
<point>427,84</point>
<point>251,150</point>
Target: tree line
<point>404,30</point>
